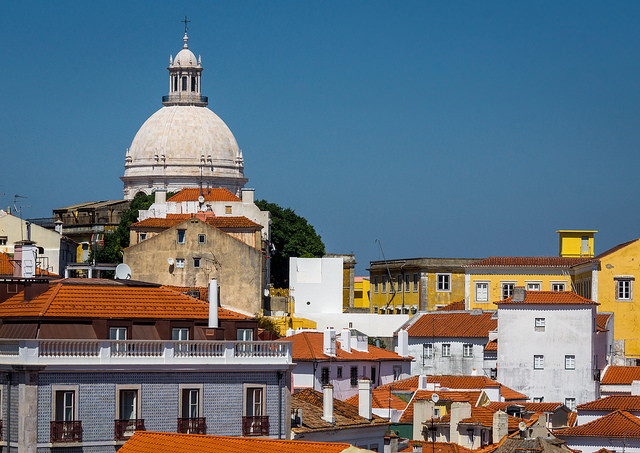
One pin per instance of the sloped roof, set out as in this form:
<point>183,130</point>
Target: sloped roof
<point>549,298</point>
<point>572,419</point>
<point>529,261</point>
<point>346,415</point>
<point>453,306</point>
<point>529,445</point>
<point>612,403</point>
<point>437,447</point>
<point>453,324</point>
<point>216,194</point>
<point>480,416</point>
<point>103,300</point>
<point>380,399</point>
<point>309,346</point>
<point>469,397</point>
<point>529,407</point>
<point>153,442</point>
<point>492,345</point>
<point>616,248</point>
<point>215,221</point>
<point>620,375</point>
<point>601,321</point>
<point>616,424</point>
<point>202,290</point>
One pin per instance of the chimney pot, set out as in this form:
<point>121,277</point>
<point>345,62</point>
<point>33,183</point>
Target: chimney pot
<point>327,404</point>
<point>213,304</point>
<point>329,341</point>
<point>364,398</point>
<point>403,343</point>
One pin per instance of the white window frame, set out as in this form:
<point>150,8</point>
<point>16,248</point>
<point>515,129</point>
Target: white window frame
<point>64,388</point>
<point>142,237</point>
<point>118,331</point>
<point>407,283</point>
<point>476,285</point>
<point>467,350</point>
<point>180,333</point>
<point>570,403</point>
<point>560,283</point>
<point>242,334</point>
<point>202,239</point>
<point>570,362</point>
<point>533,286</point>
<point>119,389</point>
<point>399,283</point>
<point>179,263</point>
<point>503,286</point>
<point>622,281</point>
<point>538,362</point>
<point>416,282</point>
<point>443,286</point>
<point>446,349</point>
<point>186,387</point>
<point>245,390</point>
<point>427,350</point>
<point>540,324</point>
<point>375,284</point>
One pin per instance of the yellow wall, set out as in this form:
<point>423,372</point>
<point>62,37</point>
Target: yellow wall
<point>571,242</point>
<point>496,280</point>
<point>361,293</point>
<point>285,322</point>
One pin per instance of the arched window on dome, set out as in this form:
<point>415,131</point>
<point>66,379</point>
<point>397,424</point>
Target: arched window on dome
<point>175,83</point>
<point>193,84</point>
<point>184,84</point>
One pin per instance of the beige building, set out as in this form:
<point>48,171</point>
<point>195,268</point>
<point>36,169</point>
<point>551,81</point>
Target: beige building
<point>192,252</point>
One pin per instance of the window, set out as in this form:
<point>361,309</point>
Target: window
<point>254,422</point>
<point>507,290</point>
<point>227,209</point>
<point>416,282</point>
<point>569,362</point>
<point>397,373</point>
<point>443,282</point>
<point>482,291</point>
<point>539,324</point>
<point>375,285</point>
<point>179,263</point>
<point>180,334</point>
<point>196,262</point>
<point>383,286</point>
<point>142,237</point>
<point>184,84</point>
<point>399,280</point>
<point>3,240</point>
<point>181,234</point>
<point>538,362</point>
<point>538,399</point>
<point>65,426</point>
<point>324,376</point>
<point>407,283</point>
<point>446,350</point>
<point>570,403</point>
<point>117,333</point>
<point>558,286</point>
<point>128,404</point>
<point>470,436</point>
<point>128,418</point>
<point>193,84</point>
<point>65,404</point>
<point>244,334</point>
<point>354,376</point>
<point>339,372</point>
<point>373,375</point>
<point>202,239</point>
<point>436,412</point>
<point>467,350</point>
<point>175,83</point>
<point>534,286</point>
<point>624,288</point>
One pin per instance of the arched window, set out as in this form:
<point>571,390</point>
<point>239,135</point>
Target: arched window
<point>193,84</point>
<point>184,84</point>
<point>175,83</point>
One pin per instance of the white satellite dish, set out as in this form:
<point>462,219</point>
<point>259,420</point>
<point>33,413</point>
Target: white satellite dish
<point>123,272</point>
<point>435,398</point>
<point>170,260</point>
<point>522,426</point>
<point>200,199</point>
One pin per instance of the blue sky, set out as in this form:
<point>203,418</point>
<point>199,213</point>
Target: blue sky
<point>449,129</point>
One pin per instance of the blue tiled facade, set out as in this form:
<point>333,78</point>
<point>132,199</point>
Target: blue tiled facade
<point>222,402</point>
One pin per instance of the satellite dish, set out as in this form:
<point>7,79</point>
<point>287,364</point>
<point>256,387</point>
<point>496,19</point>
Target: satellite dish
<point>435,398</point>
<point>522,426</point>
<point>200,199</point>
<point>170,260</point>
<point>123,272</point>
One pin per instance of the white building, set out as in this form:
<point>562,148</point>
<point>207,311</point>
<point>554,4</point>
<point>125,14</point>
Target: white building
<point>617,432</point>
<point>547,346</point>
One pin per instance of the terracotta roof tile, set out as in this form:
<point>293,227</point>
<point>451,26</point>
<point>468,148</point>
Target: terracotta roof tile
<point>102,301</point>
<point>381,399</point>
<point>346,415</point>
<point>529,261</point>
<point>467,325</point>
<point>481,416</point>
<point>616,248</point>
<point>616,424</point>
<point>528,407</point>
<point>601,321</point>
<point>492,345</point>
<point>511,395</point>
<point>612,403</point>
<point>309,346</point>
<point>437,447</point>
<point>549,298</point>
<point>202,291</point>
<point>469,397</point>
<point>572,419</point>
<point>152,442</point>
<point>222,222</point>
<point>621,375</point>
<point>217,194</point>
<point>454,306</point>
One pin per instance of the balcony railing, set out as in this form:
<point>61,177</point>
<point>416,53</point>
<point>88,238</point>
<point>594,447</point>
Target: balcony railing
<point>147,352</point>
<point>196,425</point>
<point>123,429</point>
<point>255,426</point>
<point>66,431</point>
<point>185,97</point>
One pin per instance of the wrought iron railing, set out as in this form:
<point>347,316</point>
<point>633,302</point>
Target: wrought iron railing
<point>66,431</point>
<point>123,429</point>
<point>255,426</point>
<point>196,425</point>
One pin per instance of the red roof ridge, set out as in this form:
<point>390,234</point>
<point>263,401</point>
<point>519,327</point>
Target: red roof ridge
<point>52,296</point>
<point>313,356</point>
<point>610,423</point>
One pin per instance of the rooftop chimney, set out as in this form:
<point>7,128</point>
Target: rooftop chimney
<point>423,383</point>
<point>364,398</point>
<point>213,304</point>
<point>390,442</point>
<point>635,388</point>
<point>247,196</point>
<point>403,343</point>
<point>329,341</point>
<point>500,426</point>
<point>423,410</point>
<point>160,196</point>
<point>24,254</point>
<point>345,340</point>
<point>327,404</point>
<point>519,294</point>
<point>58,226</point>
<point>459,411</point>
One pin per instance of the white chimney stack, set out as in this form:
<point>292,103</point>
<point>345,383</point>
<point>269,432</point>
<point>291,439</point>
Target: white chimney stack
<point>329,341</point>
<point>635,388</point>
<point>247,196</point>
<point>345,340</point>
<point>364,398</point>
<point>213,304</point>
<point>25,254</point>
<point>327,404</point>
<point>160,196</point>
<point>403,343</point>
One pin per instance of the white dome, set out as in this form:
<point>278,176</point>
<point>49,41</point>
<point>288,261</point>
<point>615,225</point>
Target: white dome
<point>185,58</point>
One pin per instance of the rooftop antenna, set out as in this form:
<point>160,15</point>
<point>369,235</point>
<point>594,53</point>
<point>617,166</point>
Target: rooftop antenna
<point>15,201</point>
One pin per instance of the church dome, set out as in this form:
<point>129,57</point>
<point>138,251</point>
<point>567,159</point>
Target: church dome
<point>185,58</point>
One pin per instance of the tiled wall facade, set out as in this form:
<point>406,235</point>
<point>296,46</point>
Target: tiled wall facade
<point>222,401</point>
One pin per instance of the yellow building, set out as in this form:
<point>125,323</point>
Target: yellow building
<point>576,243</point>
<point>361,289</point>
<point>405,286</point>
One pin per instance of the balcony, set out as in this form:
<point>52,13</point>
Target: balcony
<point>66,431</point>
<point>185,98</point>
<point>133,353</point>
<point>192,425</point>
<point>255,426</point>
<point>124,429</point>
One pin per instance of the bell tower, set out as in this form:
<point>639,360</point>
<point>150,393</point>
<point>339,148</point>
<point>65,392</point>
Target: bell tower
<point>185,73</point>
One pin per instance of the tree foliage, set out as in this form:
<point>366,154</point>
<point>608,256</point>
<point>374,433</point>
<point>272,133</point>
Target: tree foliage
<point>291,236</point>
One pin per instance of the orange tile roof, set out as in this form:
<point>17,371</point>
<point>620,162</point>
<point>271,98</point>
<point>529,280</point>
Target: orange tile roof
<point>511,395</point>
<point>153,442</point>
<point>528,407</point>
<point>621,375</point>
<point>466,325</point>
<point>104,299</point>
<point>616,424</point>
<point>572,419</point>
<point>492,345</point>
<point>601,321</point>
<point>454,306</point>
<point>221,222</point>
<point>217,194</point>
<point>612,403</point>
<point>202,291</point>
<point>529,261</point>
<point>469,397</point>
<point>309,346</point>
<point>616,248</point>
<point>481,416</point>
<point>409,384</point>
<point>549,298</point>
<point>437,447</point>
<point>381,399</point>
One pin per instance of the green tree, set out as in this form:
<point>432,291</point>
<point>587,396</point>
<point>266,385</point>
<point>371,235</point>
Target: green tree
<point>291,236</point>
